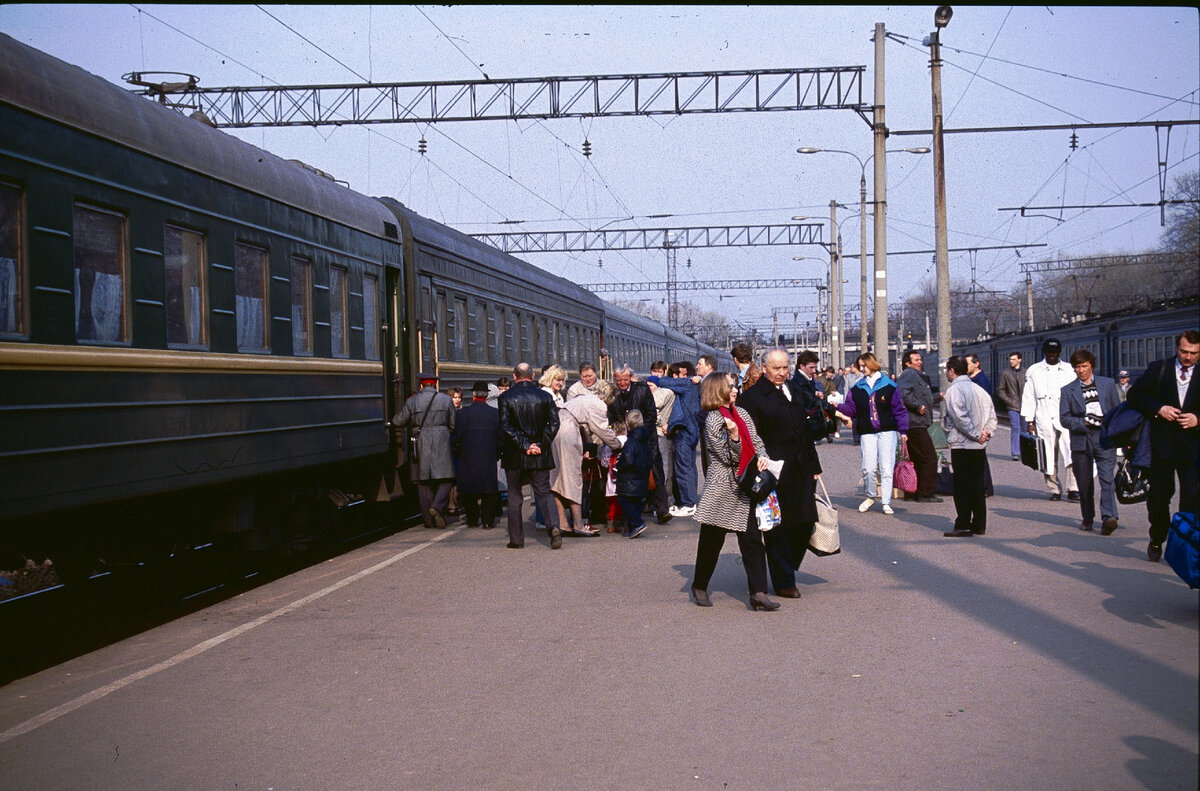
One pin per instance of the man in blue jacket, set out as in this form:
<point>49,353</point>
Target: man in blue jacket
<point>1081,410</point>
<point>684,427</point>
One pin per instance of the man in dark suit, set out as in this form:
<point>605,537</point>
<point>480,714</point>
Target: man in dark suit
<point>477,448</point>
<point>778,409</point>
<point>528,423</point>
<point>1081,410</point>
<point>1168,399</point>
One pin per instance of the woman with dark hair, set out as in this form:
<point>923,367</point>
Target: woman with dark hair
<point>732,444</point>
<point>876,409</point>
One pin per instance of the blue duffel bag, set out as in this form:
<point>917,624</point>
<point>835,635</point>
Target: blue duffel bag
<point>1183,548</point>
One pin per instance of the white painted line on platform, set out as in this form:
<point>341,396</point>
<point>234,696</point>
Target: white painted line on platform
<point>83,700</point>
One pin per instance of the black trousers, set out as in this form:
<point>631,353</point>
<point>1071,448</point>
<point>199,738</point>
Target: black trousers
<point>1163,472</point>
<point>754,556</point>
<point>480,506</point>
<point>924,459</point>
<point>970,505</point>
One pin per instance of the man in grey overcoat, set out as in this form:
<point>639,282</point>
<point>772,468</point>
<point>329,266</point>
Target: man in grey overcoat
<point>429,418</point>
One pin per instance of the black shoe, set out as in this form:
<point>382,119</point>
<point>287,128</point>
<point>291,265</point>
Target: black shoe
<point>1108,526</point>
<point>555,538</point>
<point>958,534</point>
<point>788,593</point>
<point>701,598</point>
<point>1154,552</point>
<point>759,601</point>
<point>978,531</point>
<point>1086,526</point>
<point>1056,497</point>
<point>513,545</point>
<point>664,518</point>
<point>933,499</point>
<point>1073,496</point>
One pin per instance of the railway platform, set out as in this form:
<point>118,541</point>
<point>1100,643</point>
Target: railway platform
<point>1035,657</point>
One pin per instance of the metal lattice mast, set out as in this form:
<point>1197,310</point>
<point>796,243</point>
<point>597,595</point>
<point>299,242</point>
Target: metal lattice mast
<point>529,98</point>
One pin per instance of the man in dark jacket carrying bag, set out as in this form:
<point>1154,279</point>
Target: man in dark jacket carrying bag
<point>528,423</point>
<point>780,416</point>
<point>1168,398</point>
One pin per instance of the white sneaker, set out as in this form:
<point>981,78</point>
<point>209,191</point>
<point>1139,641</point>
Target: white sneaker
<point>865,505</point>
<point>683,510</point>
<point>887,509</point>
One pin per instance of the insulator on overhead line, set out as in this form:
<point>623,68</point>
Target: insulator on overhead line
<point>422,146</point>
<point>587,147</point>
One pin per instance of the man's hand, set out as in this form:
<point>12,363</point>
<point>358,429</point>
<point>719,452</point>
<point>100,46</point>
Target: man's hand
<point>534,450</point>
<point>1169,413</point>
<point>1187,420</point>
<point>984,437</point>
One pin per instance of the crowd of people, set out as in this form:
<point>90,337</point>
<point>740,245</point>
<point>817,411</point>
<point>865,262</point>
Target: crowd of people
<point>603,455</point>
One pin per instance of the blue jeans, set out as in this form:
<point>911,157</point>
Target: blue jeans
<point>879,454</point>
<point>685,468</point>
<point>1017,424</point>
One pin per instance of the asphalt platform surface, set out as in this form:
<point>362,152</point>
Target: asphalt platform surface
<point>1035,657</point>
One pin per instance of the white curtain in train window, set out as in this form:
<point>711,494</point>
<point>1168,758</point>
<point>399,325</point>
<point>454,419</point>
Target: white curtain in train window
<point>249,322</point>
<point>9,289</point>
<point>250,267</point>
<point>338,325</point>
<point>98,303</point>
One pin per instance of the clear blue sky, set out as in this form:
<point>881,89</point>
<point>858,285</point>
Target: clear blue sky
<point>1004,66</point>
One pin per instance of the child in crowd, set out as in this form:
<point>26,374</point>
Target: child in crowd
<point>608,464</point>
<point>633,472</point>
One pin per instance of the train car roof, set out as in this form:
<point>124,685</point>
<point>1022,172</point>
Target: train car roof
<point>634,319</point>
<point>443,237</point>
<point>46,86</point>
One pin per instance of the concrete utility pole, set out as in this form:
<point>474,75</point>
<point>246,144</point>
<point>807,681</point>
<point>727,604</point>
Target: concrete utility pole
<point>880,128</point>
<point>941,18</point>
<point>835,288</point>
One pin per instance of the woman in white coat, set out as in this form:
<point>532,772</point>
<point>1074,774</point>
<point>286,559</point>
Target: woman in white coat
<point>582,419</point>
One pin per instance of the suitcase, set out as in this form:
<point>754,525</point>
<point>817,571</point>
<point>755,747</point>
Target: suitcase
<point>1033,452</point>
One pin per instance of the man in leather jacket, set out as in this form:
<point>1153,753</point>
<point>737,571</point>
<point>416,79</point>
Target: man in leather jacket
<point>528,423</point>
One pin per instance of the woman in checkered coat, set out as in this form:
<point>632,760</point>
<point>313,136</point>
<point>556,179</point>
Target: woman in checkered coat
<point>732,443</point>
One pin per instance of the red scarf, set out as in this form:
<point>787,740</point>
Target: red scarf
<point>744,433</point>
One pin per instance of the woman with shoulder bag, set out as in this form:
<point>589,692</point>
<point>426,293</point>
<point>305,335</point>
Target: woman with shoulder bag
<point>732,444</point>
<point>876,408</point>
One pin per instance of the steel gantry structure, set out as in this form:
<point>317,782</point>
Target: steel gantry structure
<point>527,98</point>
<point>668,239</point>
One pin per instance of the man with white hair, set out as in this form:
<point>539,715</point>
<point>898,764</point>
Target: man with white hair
<point>780,416</point>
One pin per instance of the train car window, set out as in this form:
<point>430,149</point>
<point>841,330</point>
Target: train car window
<point>100,275</point>
<point>13,303</point>
<point>460,330</point>
<point>441,331</point>
<point>493,352</point>
<point>370,317</point>
<point>510,344</point>
<point>302,343</point>
<point>187,294</point>
<point>477,319</point>
<point>250,297</point>
<point>339,313</point>
<point>526,348</point>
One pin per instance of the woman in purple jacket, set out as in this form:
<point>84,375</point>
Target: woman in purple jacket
<point>876,408</point>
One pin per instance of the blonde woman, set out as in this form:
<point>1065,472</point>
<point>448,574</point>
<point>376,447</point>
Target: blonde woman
<point>876,408</point>
<point>732,443</point>
<point>554,379</point>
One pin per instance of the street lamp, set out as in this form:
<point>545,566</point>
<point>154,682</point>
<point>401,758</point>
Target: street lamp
<point>941,18</point>
<point>862,199</point>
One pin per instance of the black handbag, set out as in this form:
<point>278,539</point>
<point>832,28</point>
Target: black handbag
<point>1131,485</point>
<point>755,483</point>
<point>820,423</point>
